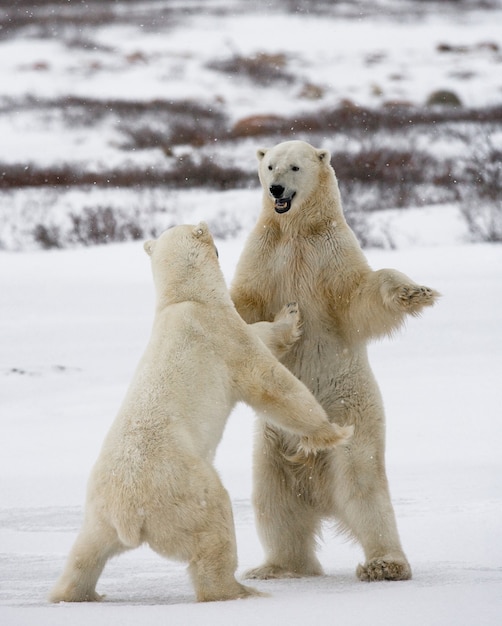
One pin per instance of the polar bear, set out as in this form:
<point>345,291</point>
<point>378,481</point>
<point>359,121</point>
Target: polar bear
<point>302,246</point>
<point>154,481</point>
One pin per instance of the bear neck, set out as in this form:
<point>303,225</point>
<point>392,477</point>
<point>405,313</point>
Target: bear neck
<point>205,290</point>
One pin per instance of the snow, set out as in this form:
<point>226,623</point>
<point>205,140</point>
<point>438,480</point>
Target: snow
<point>74,323</point>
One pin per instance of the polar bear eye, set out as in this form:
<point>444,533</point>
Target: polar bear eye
<point>295,168</point>
<point>270,168</point>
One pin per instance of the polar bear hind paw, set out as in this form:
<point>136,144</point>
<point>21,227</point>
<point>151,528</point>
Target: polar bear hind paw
<point>382,568</point>
<point>74,596</point>
<point>251,592</point>
<point>236,592</point>
<point>268,572</point>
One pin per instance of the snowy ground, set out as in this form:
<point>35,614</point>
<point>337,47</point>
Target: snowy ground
<point>73,326</point>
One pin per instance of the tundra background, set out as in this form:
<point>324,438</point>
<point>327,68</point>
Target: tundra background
<point>113,113</point>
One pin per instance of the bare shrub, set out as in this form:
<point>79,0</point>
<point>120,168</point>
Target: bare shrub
<point>378,177</point>
<point>184,171</point>
<point>59,18</point>
<point>358,222</point>
<point>224,225</point>
<point>17,175</point>
<point>170,125</point>
<point>48,236</point>
<point>483,220</point>
<point>207,173</point>
<point>262,68</point>
<point>481,203</point>
<point>100,225</point>
<point>350,118</point>
<point>389,165</point>
<point>146,138</point>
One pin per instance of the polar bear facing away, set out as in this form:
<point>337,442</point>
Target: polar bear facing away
<point>154,481</point>
<point>302,248</point>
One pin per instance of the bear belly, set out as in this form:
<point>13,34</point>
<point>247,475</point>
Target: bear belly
<point>339,377</point>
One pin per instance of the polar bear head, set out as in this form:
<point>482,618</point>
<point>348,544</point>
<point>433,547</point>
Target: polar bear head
<point>185,264</point>
<point>292,173</point>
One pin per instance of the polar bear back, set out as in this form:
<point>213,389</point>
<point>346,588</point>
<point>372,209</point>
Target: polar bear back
<point>181,355</point>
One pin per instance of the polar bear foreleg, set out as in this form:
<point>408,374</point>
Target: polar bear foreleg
<point>383,301</point>
<point>281,399</point>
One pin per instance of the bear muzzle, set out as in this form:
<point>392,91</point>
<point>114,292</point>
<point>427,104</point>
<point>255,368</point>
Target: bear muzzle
<point>281,204</point>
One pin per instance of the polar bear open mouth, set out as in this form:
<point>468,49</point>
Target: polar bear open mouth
<point>282,205</point>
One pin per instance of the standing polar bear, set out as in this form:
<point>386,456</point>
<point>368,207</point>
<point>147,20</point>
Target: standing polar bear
<point>154,481</point>
<point>302,248</point>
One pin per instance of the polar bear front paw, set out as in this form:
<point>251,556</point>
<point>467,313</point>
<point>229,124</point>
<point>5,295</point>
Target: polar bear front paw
<point>286,329</point>
<point>280,335</point>
<point>290,309</point>
<point>413,297</point>
<point>289,319</point>
<point>383,568</point>
<point>329,436</point>
<point>401,294</point>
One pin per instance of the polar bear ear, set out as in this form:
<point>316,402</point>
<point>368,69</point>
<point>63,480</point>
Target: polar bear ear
<point>261,153</point>
<point>149,246</point>
<point>324,156</point>
<point>201,230</point>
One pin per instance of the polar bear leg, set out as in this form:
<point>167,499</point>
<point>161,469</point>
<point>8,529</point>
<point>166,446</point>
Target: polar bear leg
<point>384,300</point>
<point>95,544</point>
<point>213,566</point>
<point>286,523</point>
<point>364,507</point>
<point>214,557</point>
<point>200,529</point>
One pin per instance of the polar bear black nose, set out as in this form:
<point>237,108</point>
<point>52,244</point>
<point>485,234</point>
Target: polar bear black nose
<point>276,190</point>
